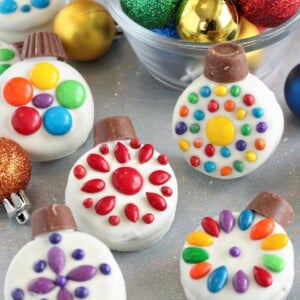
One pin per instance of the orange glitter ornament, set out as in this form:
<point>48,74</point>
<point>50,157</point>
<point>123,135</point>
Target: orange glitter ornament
<point>15,171</point>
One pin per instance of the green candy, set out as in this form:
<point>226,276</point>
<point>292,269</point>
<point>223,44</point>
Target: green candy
<point>193,255</point>
<point>3,68</point>
<point>151,14</point>
<point>6,54</point>
<point>273,262</point>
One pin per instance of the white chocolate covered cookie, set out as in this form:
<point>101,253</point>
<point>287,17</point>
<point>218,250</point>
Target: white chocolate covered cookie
<point>63,264</point>
<point>46,106</point>
<point>21,17</point>
<point>237,256</point>
<point>227,128</point>
<point>122,191</point>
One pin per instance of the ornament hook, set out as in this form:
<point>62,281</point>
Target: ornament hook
<point>17,206</point>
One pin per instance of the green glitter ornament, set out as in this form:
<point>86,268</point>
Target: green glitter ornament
<point>151,14</point>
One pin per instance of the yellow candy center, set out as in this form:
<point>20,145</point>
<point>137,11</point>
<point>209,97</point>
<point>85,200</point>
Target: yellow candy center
<point>44,76</point>
<point>220,131</point>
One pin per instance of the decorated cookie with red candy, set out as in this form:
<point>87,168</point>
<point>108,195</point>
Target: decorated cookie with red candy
<point>122,191</point>
<point>246,255</point>
<point>46,105</point>
<point>61,263</point>
<point>227,123</point>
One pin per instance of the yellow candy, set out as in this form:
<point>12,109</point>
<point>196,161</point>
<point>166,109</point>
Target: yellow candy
<point>251,156</point>
<point>275,242</point>
<point>220,90</point>
<point>200,239</point>
<point>44,76</point>
<point>184,145</point>
<point>220,131</point>
<point>240,114</point>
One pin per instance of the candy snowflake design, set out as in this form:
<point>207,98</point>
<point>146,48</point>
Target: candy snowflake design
<point>56,261</point>
<point>221,129</point>
<point>115,163</point>
<point>262,231</point>
<point>42,100</point>
<point>11,6</point>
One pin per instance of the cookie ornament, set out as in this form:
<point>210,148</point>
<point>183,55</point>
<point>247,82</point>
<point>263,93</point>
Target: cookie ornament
<point>15,172</point>
<point>122,191</point>
<point>22,17</point>
<point>46,105</point>
<point>62,263</point>
<point>246,255</point>
<point>227,122</point>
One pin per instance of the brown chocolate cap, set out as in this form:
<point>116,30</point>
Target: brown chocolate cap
<point>112,129</point>
<point>225,63</point>
<point>273,206</point>
<point>52,218</point>
<point>39,44</point>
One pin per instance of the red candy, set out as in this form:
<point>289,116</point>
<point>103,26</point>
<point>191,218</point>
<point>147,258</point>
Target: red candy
<point>210,226</point>
<point>98,162</point>
<point>156,201</point>
<point>159,177</point>
<point>146,153</point>
<point>93,186</point>
<point>132,212</point>
<point>105,205</point>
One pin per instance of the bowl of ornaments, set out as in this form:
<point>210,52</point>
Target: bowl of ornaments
<point>170,38</point>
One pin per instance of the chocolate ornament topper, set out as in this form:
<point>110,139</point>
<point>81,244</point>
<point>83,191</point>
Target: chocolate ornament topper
<point>15,171</point>
<point>273,206</point>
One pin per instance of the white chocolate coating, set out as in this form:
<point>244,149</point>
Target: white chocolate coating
<point>132,232</point>
<point>42,144</point>
<point>109,286</point>
<point>251,254</point>
<point>227,130</point>
<point>13,56</point>
<point>16,25</point>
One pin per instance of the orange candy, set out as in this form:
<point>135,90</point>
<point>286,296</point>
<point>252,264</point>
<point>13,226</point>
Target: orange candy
<point>262,229</point>
<point>184,111</point>
<point>226,170</point>
<point>199,270</point>
<point>229,105</point>
<point>18,91</point>
<point>260,144</point>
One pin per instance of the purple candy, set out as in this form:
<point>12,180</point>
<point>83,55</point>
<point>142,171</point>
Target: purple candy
<point>43,100</point>
<point>240,282</point>
<point>226,220</point>
<point>261,127</point>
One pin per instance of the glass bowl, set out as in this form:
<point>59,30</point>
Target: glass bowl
<point>177,63</point>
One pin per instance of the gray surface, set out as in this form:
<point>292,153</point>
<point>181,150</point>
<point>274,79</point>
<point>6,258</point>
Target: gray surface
<point>121,86</point>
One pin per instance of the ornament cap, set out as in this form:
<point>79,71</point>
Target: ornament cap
<point>273,206</point>
<point>112,129</point>
<point>52,218</point>
<point>225,63</point>
<point>39,44</point>
<point>17,207</point>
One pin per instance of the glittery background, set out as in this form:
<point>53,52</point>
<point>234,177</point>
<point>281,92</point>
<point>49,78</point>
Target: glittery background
<point>122,86</point>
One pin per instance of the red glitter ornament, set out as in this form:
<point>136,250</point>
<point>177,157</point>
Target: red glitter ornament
<point>15,172</point>
<point>267,13</point>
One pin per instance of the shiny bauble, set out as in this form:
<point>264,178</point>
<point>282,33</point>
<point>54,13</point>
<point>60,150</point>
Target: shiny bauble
<point>150,14</point>
<point>86,30</point>
<point>267,13</point>
<point>207,21</point>
<point>292,90</point>
<point>254,58</point>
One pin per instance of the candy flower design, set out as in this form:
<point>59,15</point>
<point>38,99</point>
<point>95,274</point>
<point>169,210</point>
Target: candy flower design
<point>226,127</point>
<point>113,165</point>
<point>42,100</point>
<point>262,232</point>
<point>56,261</point>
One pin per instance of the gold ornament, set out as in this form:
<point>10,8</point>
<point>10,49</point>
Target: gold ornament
<point>207,21</point>
<point>85,28</point>
<point>254,58</point>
